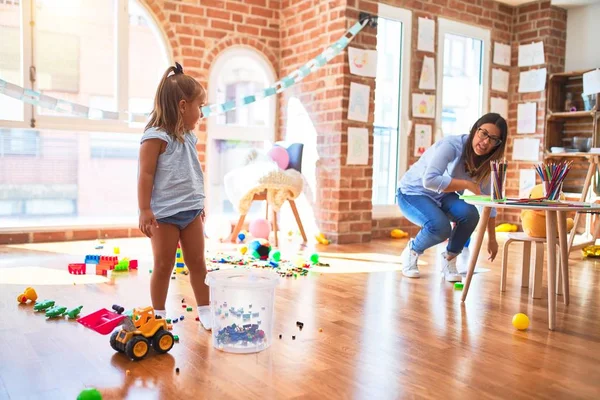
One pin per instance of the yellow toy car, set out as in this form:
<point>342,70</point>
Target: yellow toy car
<point>140,332</point>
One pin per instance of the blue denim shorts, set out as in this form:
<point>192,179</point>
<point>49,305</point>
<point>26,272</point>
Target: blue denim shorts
<point>181,219</point>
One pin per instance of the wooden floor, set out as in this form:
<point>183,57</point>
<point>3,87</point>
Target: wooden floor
<point>383,337</point>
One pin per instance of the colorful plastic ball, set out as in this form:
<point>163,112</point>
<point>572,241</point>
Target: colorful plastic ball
<point>275,255</point>
<point>260,248</point>
<point>314,258</point>
<point>90,394</point>
<point>243,249</point>
<point>241,236</point>
<point>280,156</point>
<point>260,228</point>
<point>520,321</point>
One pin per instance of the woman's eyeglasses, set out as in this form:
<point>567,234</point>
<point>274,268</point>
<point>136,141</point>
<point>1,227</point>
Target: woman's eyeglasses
<point>483,134</point>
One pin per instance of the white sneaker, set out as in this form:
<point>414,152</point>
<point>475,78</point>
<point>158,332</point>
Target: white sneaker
<point>409,260</point>
<point>449,269</point>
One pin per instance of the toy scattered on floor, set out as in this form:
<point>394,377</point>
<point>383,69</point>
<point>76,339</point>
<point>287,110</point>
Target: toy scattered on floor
<point>140,333</point>
<point>260,249</point>
<point>104,321</point>
<point>43,305</point>
<point>300,325</point>
<point>236,334</point>
<point>76,268</point>
<point>28,294</point>
<point>243,249</point>
<point>314,258</point>
<point>260,228</point>
<point>197,319</point>
<point>176,338</point>
<point>181,318</point>
<point>293,337</point>
<point>284,268</point>
<point>117,250</point>
<point>179,262</point>
<point>322,239</point>
<point>89,394</point>
<point>55,312</point>
<point>188,309</point>
<point>184,306</point>
<point>520,321</point>
<point>507,228</point>
<point>73,313</point>
<point>241,237</point>
<point>398,234</point>
<point>591,251</point>
<point>280,336</point>
<point>459,285</point>
<point>122,265</point>
<point>275,255</point>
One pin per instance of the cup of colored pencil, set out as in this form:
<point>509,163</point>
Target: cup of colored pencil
<point>553,176</point>
<point>498,180</point>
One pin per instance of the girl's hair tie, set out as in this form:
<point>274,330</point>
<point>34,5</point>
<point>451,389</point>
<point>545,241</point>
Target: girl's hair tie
<point>178,68</point>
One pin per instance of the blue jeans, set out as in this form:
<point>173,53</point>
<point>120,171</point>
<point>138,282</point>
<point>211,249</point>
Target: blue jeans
<point>435,221</point>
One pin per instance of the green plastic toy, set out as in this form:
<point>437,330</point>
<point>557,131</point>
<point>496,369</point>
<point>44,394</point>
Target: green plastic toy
<point>55,312</point>
<point>43,305</point>
<point>459,285</point>
<point>123,265</point>
<point>90,394</point>
<point>73,313</point>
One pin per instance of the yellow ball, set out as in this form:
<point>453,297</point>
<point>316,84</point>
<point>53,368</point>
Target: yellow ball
<point>243,249</point>
<point>520,321</point>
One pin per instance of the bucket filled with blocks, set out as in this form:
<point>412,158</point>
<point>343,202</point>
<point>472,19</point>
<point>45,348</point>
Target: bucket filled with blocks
<point>242,303</point>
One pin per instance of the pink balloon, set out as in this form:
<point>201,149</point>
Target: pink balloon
<point>260,228</point>
<point>280,156</point>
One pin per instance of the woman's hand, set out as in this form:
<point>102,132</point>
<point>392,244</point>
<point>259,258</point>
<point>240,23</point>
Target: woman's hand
<point>492,248</point>
<point>147,221</point>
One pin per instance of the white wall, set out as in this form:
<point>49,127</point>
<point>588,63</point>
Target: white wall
<point>583,32</point>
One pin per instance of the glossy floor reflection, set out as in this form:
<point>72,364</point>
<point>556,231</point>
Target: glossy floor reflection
<point>383,336</point>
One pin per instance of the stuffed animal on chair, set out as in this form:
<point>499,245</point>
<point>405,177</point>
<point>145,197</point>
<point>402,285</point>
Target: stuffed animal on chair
<point>534,221</point>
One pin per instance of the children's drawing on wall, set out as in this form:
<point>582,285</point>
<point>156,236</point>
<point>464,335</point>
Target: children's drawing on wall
<point>531,54</point>
<point>526,182</point>
<point>427,81</point>
<point>526,117</point>
<point>423,105</point>
<point>362,62</point>
<point>422,139</point>
<point>501,54</point>
<point>426,39</point>
<point>358,107</point>
<point>358,146</point>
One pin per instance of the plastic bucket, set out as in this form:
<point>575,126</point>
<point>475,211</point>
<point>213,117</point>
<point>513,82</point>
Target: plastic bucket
<point>242,303</point>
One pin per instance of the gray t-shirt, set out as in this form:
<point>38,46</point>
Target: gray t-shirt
<point>179,181</point>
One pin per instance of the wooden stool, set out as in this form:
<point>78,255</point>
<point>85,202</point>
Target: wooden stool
<point>538,266</point>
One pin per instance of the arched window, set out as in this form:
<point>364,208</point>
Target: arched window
<point>69,169</point>
<point>237,72</point>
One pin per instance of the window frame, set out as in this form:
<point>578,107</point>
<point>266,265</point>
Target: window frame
<point>404,16</point>
<point>121,10</point>
<point>215,131</point>
<point>475,32</point>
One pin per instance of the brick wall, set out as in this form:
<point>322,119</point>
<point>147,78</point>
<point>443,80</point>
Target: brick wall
<point>291,32</point>
<point>532,22</point>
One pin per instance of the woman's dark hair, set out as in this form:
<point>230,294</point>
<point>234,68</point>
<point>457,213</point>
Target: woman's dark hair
<point>478,167</point>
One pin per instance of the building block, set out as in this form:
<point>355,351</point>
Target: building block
<point>77,269</point>
<point>92,259</point>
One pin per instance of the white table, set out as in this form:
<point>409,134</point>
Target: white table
<point>554,213</point>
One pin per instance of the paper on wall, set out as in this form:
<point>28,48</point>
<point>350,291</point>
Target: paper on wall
<point>500,106</point>
<point>422,139</point>
<point>362,62</point>
<point>526,149</point>
<point>532,81</point>
<point>358,106</point>
<point>526,117</point>
<point>499,80</point>
<point>501,54</point>
<point>526,182</point>
<point>423,105</point>
<point>531,54</point>
<point>591,82</point>
<point>427,80</point>
<point>426,37</point>
<point>358,146</point>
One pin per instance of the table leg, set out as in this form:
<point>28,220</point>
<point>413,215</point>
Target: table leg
<point>551,246</point>
<point>564,253</point>
<point>481,228</point>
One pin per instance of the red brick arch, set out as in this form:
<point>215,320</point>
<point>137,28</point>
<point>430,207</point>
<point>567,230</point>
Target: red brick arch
<point>157,10</point>
<point>231,41</point>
